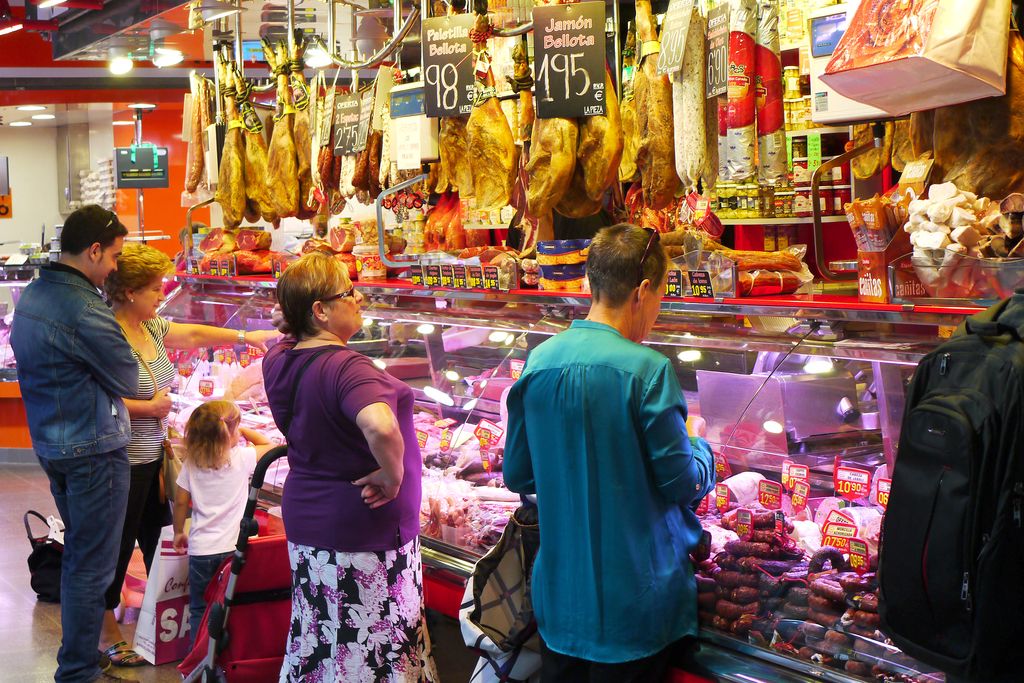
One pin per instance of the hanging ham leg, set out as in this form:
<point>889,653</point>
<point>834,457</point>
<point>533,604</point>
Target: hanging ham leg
<point>552,163</point>
<point>308,206</point>
<point>656,155</point>
<point>231,183</point>
<point>601,144</point>
<point>282,163</point>
<point>255,169</point>
<point>456,173</point>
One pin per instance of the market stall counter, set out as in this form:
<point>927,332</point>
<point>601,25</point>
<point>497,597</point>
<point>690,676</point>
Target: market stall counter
<point>800,397</point>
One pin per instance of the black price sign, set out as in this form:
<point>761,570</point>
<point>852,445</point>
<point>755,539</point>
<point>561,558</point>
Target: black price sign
<point>700,284</point>
<point>674,284</point>
<point>346,124</point>
<point>365,116</point>
<point>447,276</point>
<point>673,35</point>
<point>717,80</point>
<point>474,277</point>
<point>448,65</point>
<point>460,280</point>
<point>569,59</point>
<point>432,276</point>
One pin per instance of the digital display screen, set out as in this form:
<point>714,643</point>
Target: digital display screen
<point>406,103</point>
<point>252,51</point>
<point>826,32</point>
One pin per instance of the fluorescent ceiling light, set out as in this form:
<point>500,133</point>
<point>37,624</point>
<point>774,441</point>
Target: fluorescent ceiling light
<point>439,396</point>
<point>20,124</point>
<point>818,366</point>
<point>124,123</point>
<point>212,10</point>
<point>470,404</point>
<point>44,117</point>
<point>11,28</point>
<point>50,3</point>
<point>316,56</point>
<point>32,107</point>
<point>166,56</point>
<point>142,105</point>
<point>120,65</point>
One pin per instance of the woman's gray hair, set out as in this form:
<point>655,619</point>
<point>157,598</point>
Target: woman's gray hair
<point>613,263</point>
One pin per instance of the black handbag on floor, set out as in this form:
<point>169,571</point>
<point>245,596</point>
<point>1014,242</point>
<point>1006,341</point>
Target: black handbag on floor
<point>44,562</point>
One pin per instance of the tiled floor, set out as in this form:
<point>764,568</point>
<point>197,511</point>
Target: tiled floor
<point>30,631</point>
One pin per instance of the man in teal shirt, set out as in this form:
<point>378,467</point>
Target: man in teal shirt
<point>597,429</point>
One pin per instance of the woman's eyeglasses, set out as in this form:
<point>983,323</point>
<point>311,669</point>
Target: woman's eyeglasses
<point>351,291</point>
<point>653,239</point>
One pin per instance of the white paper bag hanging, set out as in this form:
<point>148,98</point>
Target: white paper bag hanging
<point>162,634</point>
<point>922,54</point>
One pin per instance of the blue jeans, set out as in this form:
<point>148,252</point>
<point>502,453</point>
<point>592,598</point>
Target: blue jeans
<point>201,570</point>
<point>91,493</point>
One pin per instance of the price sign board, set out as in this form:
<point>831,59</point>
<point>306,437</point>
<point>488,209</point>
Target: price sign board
<point>722,497</point>
<point>516,366</point>
<point>446,441</point>
<point>346,124</point>
<point>882,493</point>
<point>141,168</point>
<point>858,555</point>
<point>722,467</point>
<point>700,284</point>
<point>801,489</point>
<point>448,65</point>
<point>769,494</point>
<point>674,283</point>
<point>488,433</point>
<point>838,535</point>
<point>704,505</point>
<point>798,473</point>
<point>852,483</point>
<point>421,438</point>
<point>569,60</point>
<point>716,79</point>
<point>744,524</point>
<point>365,117</point>
<point>6,206</point>
<point>674,29</point>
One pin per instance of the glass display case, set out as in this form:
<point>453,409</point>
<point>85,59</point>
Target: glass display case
<point>801,401</point>
<point>13,280</point>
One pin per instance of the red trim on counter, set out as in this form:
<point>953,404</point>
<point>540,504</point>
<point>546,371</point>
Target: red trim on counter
<point>442,591</point>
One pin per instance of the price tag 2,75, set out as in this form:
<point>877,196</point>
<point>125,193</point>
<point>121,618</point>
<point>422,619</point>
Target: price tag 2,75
<point>448,65</point>
<point>569,60</point>
<point>674,30</point>
<point>346,124</point>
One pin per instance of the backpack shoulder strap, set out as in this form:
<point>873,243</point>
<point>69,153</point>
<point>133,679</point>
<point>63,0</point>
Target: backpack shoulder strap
<point>987,323</point>
<point>298,380</point>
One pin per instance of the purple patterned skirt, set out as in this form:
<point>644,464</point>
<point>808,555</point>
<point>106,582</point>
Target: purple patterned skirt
<point>357,617</point>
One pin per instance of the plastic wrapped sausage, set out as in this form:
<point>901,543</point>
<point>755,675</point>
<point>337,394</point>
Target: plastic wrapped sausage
<point>742,133</point>
<point>771,135</point>
<point>688,103</point>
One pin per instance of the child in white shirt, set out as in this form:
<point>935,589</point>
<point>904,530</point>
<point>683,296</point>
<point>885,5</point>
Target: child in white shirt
<point>215,478</point>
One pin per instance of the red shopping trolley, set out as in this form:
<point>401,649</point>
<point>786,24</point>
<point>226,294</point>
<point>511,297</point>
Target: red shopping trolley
<point>244,632</point>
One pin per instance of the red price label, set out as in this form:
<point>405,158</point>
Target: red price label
<point>421,438</point>
<point>446,441</point>
<point>722,468</point>
<point>837,517</point>
<point>798,473</point>
<point>882,493</point>
<point>218,355</point>
<point>769,494</point>
<point>801,489</point>
<point>744,524</point>
<point>858,555</point>
<point>244,359</point>
<point>852,483</point>
<point>445,423</point>
<point>705,503</point>
<point>785,473</point>
<point>206,387</point>
<point>722,497</point>
<point>488,427</point>
<point>485,458</point>
<point>839,535</point>
<point>516,368</point>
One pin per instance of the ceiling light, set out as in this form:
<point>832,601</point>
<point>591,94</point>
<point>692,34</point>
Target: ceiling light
<point>124,123</point>
<point>689,355</point>
<point>425,328</point>
<point>32,107</point>
<point>120,64</point>
<point>439,396</point>
<point>20,124</point>
<point>11,28</point>
<point>142,105</point>
<point>212,10</point>
<point>44,117</point>
<point>452,376</point>
<point>317,56</point>
<point>166,56</point>
<point>50,3</point>
<point>772,427</point>
<point>818,366</point>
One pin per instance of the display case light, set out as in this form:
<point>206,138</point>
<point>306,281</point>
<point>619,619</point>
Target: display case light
<point>380,364</point>
<point>818,366</point>
<point>20,124</point>
<point>772,427</point>
<point>425,328</point>
<point>452,376</point>
<point>10,27</point>
<point>438,396</point>
<point>510,339</point>
<point>167,56</point>
<point>31,107</point>
<point>469,405</point>
<point>43,117</point>
<point>689,355</point>
<point>497,336</point>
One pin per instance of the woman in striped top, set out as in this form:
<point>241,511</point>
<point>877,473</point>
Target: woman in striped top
<point>136,290</point>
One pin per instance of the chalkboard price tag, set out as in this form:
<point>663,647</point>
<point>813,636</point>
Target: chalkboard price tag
<point>448,65</point>
<point>717,79</point>
<point>346,124</point>
<point>675,28</point>
<point>365,116</point>
<point>569,60</point>
<point>700,284</point>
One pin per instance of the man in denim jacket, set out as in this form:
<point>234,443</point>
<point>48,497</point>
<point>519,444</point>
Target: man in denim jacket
<point>74,365</point>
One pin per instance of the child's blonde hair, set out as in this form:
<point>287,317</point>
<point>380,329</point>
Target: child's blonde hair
<point>210,432</point>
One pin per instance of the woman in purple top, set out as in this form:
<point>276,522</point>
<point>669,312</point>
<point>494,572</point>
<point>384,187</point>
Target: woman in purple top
<point>352,498</point>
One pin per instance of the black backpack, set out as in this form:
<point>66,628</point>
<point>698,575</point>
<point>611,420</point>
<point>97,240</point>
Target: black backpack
<point>951,571</point>
<point>44,562</point>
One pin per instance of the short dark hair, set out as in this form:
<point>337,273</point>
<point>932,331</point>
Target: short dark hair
<point>89,225</point>
<point>614,262</point>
